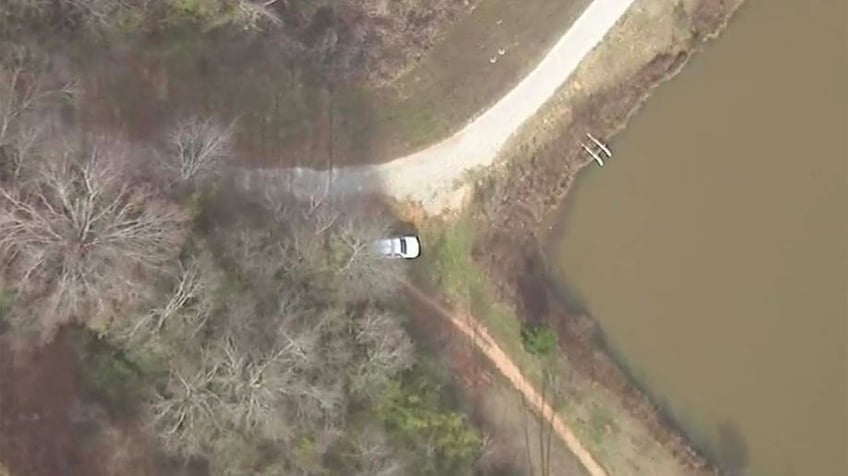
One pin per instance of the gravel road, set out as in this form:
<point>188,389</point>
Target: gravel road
<point>432,175</point>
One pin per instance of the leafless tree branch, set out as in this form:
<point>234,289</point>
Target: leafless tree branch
<point>360,269</point>
<point>199,148</point>
<point>80,235</point>
<point>184,313</point>
<point>376,455</point>
<point>255,13</point>
<point>187,414</point>
<point>388,351</point>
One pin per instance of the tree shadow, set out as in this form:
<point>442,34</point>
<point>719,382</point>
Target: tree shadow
<point>533,290</point>
<point>732,450</point>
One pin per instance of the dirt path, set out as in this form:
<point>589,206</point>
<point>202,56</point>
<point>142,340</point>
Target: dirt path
<point>430,175</point>
<point>481,338</point>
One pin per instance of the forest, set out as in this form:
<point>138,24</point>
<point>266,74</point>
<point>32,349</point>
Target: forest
<point>214,331</point>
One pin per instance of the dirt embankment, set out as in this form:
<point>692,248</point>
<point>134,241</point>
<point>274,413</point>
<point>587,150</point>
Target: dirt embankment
<point>539,169</point>
<point>42,426</point>
<point>51,423</point>
<point>35,437</point>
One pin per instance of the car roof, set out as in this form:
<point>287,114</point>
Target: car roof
<point>413,245</point>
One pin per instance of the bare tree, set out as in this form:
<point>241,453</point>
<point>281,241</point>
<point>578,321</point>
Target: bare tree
<point>183,312</point>
<point>375,455</point>
<point>186,415</point>
<point>252,14</point>
<point>17,96</point>
<point>309,224</point>
<point>360,270</point>
<point>274,393</point>
<point>274,360</point>
<point>274,389</point>
<point>252,385</point>
<point>388,351</point>
<point>99,12</point>
<point>24,117</point>
<point>318,356</point>
<point>257,255</point>
<point>21,94</point>
<point>111,14</point>
<point>79,235</point>
<point>335,244</point>
<point>199,148</point>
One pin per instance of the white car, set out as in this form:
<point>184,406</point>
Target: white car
<point>407,247</point>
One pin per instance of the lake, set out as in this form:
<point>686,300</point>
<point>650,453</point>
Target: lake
<point>713,247</point>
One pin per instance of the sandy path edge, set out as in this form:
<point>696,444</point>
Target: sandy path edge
<point>486,344</point>
<point>430,175</point>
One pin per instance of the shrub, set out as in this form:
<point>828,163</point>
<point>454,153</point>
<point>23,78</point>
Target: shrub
<point>539,340</point>
<point>106,374</point>
<point>412,413</point>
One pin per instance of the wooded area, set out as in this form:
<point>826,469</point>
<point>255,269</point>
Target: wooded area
<point>243,333</point>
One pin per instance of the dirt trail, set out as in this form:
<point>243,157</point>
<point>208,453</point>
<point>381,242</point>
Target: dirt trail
<point>430,176</point>
<point>481,338</point>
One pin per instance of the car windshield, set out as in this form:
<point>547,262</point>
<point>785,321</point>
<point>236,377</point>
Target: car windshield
<point>403,246</point>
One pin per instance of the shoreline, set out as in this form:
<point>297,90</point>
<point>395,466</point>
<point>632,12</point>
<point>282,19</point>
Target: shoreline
<point>527,178</point>
<point>529,194</point>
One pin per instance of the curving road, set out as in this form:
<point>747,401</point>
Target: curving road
<point>427,176</point>
<point>431,175</point>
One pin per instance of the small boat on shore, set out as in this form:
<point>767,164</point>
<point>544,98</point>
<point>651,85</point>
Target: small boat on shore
<point>594,154</point>
<point>598,150</point>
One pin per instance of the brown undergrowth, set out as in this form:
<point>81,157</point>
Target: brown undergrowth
<point>51,422</point>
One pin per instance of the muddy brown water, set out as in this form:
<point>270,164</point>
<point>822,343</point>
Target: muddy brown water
<point>712,247</point>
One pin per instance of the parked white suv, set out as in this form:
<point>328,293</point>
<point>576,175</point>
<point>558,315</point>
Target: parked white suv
<point>407,247</point>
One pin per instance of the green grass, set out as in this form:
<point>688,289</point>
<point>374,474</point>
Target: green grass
<point>450,268</point>
<point>600,422</point>
<point>455,80</point>
<point>539,340</point>
<point>449,259</point>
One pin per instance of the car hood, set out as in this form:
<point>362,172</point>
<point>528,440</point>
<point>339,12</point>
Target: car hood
<point>413,248</point>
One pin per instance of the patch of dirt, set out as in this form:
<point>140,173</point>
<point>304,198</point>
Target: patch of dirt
<point>516,207</point>
<point>38,402</point>
<point>48,427</point>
